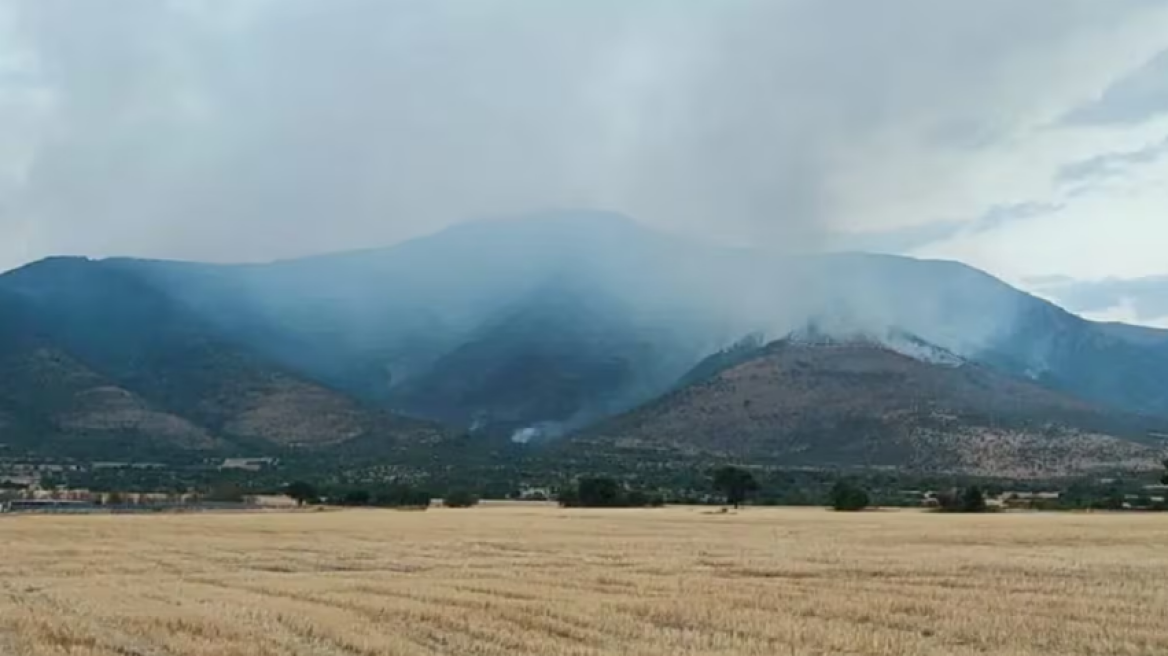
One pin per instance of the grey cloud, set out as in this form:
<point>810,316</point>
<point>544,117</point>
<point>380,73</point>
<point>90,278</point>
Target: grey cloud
<point>1110,164</point>
<point>259,129</point>
<point>1133,99</point>
<point>909,239</point>
<point>1002,215</point>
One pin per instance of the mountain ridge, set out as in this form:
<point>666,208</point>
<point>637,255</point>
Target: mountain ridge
<point>525,326</point>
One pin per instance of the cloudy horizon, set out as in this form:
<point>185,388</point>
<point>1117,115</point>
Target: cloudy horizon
<point>1026,139</point>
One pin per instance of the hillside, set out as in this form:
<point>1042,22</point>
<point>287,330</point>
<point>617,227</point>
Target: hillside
<point>857,402</point>
<point>95,362</point>
<point>560,358</point>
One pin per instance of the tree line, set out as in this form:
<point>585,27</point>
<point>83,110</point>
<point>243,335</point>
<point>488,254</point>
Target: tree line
<point>394,495</point>
<point>734,486</point>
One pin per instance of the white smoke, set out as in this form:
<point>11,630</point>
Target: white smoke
<point>542,431</point>
<point>525,435</point>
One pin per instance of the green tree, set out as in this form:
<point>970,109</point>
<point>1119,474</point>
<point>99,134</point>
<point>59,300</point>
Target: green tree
<point>301,492</point>
<point>969,500</point>
<point>598,492</point>
<point>401,495</point>
<point>848,497</point>
<point>356,498</point>
<point>226,492</point>
<point>736,483</point>
<point>460,499</point>
<point>642,499</point>
<point>1112,498</point>
<point>973,501</point>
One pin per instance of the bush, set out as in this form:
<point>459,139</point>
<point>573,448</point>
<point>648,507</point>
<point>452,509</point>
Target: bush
<point>1112,499</point>
<point>302,492</point>
<point>969,500</point>
<point>401,496</point>
<point>356,498</point>
<point>973,501</point>
<point>225,493</point>
<point>848,497</point>
<point>736,483</point>
<point>600,492</point>
<point>460,499</point>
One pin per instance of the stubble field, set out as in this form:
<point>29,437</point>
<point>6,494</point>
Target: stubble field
<point>512,580</point>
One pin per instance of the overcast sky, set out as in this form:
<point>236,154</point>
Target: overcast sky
<point>1028,138</point>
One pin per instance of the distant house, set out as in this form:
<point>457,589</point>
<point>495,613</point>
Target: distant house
<point>248,464</point>
<point>271,501</point>
<point>1028,500</point>
<point>18,480</point>
<point>127,465</point>
<point>536,494</point>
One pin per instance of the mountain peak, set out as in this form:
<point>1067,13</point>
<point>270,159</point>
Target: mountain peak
<point>566,224</point>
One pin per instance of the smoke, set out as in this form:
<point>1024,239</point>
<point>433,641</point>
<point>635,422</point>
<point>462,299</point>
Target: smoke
<point>548,430</point>
<point>524,435</point>
<point>259,129</point>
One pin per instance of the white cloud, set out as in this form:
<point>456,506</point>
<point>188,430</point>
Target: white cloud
<point>1112,228</point>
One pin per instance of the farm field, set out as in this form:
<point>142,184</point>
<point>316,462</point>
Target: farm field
<point>515,579</point>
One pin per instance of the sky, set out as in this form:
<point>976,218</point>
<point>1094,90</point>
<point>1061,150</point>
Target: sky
<point>1029,139</point>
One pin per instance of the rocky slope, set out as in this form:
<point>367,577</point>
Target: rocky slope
<point>860,402</point>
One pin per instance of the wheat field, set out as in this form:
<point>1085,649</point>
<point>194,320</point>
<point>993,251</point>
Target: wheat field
<point>513,579</point>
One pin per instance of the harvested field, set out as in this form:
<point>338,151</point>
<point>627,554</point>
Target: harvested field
<point>513,580</point>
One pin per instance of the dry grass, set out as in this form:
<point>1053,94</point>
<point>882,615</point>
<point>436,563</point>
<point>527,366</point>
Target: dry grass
<point>513,580</point>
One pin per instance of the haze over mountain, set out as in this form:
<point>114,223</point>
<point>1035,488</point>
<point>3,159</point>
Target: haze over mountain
<point>535,326</point>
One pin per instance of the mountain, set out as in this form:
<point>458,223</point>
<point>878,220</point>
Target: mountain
<point>815,400</point>
<point>1113,367</point>
<point>548,320</point>
<point>538,325</point>
<point>96,361</point>
<point>979,317</point>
